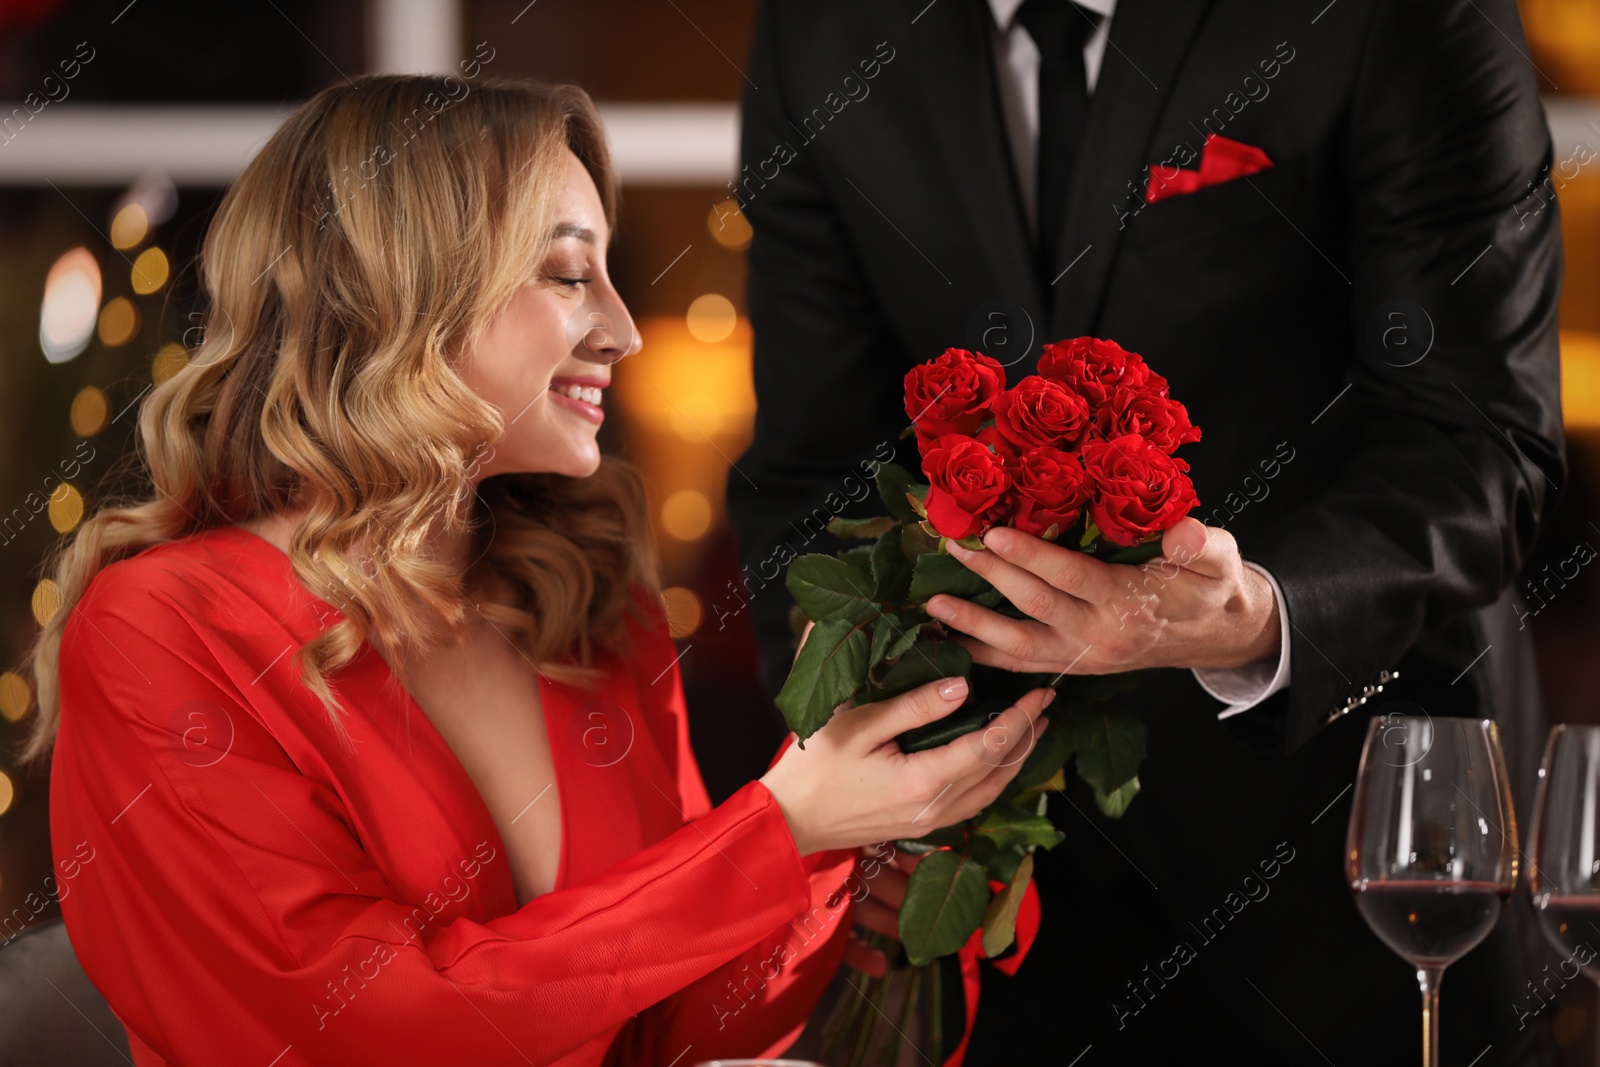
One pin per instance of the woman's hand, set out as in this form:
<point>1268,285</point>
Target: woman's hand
<point>879,911</point>
<point>852,786</point>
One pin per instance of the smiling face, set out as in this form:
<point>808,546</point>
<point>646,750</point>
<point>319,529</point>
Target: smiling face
<point>545,360</point>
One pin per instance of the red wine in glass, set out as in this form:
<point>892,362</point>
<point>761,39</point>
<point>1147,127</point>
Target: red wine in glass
<point>1564,851</point>
<point>1432,848</point>
<point>1573,925</point>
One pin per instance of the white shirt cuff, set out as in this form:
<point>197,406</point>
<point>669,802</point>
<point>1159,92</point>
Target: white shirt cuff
<point>1242,688</point>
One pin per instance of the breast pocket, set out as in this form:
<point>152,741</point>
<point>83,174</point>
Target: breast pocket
<point>1237,206</point>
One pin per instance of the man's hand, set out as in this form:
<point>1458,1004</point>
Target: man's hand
<point>1197,606</point>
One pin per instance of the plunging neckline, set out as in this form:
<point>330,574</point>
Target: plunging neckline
<point>435,737</point>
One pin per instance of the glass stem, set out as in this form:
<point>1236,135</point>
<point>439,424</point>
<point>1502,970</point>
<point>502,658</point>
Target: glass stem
<point>1428,978</point>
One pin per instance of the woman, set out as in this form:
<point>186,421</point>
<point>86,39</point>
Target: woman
<point>368,713</point>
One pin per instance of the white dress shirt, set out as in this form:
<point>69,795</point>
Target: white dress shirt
<point>1016,62</point>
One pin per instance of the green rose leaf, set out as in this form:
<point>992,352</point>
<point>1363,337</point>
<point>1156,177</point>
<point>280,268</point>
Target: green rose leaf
<point>892,635</point>
<point>981,850</point>
<point>1009,825</point>
<point>945,900</point>
<point>859,557</point>
<point>1110,746</point>
<point>1050,753</point>
<point>1116,802</point>
<point>929,658</point>
<point>861,529</point>
<point>1000,917</point>
<point>915,540</point>
<point>941,732</point>
<point>832,590</point>
<point>893,482</point>
<point>831,667</point>
<point>993,598</point>
<point>891,570</point>
<point>939,573</point>
<point>1002,866</point>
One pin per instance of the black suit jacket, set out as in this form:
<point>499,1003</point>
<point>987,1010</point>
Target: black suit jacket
<point>1365,332</point>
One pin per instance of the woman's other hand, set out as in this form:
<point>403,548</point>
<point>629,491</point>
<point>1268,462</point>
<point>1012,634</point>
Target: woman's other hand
<point>852,786</point>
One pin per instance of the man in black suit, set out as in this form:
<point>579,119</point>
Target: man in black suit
<point>1365,329</point>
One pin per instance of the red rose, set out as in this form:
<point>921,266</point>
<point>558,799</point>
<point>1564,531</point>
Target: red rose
<point>1040,412</point>
<point>967,486</point>
<point>1094,369</point>
<point>1157,418</point>
<point>952,394</point>
<point>1049,488</point>
<point>1139,490</point>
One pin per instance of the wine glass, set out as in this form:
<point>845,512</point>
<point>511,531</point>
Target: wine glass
<point>1432,846</point>
<point>1564,853</point>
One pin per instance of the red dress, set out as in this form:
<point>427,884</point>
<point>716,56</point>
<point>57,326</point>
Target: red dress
<point>256,893</point>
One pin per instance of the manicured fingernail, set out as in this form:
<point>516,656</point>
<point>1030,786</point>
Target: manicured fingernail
<point>1049,696</point>
<point>958,551</point>
<point>939,609</point>
<point>953,688</point>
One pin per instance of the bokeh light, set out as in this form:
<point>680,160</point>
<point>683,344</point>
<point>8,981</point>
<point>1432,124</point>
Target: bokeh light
<point>15,696</point>
<point>1580,379</point>
<point>728,226</point>
<point>686,515</point>
<point>90,411</point>
<point>683,610</point>
<point>712,318</point>
<point>150,271</point>
<point>119,322</point>
<point>170,359</point>
<point>155,194</point>
<point>695,416</point>
<point>66,508</point>
<point>71,306</point>
<point>8,792</point>
<point>129,227</point>
<point>46,601</point>
<point>688,389</point>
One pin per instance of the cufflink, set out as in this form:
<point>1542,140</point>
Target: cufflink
<point>1367,692</point>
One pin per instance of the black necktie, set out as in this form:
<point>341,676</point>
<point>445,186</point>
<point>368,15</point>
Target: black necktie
<point>1059,28</point>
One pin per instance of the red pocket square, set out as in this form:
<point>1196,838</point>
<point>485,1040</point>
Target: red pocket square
<point>1221,160</point>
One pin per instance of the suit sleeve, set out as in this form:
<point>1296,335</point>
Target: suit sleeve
<point>1453,460</point>
<point>827,373</point>
<point>230,912</point>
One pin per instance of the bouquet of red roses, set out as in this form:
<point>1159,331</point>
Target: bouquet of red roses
<point>1085,446</point>
<point>1080,453</point>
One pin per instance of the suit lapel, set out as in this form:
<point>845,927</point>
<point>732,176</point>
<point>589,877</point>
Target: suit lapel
<point>1149,39</point>
<point>956,66</point>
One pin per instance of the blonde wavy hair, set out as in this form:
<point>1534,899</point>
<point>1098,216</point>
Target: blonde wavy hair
<point>344,285</point>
